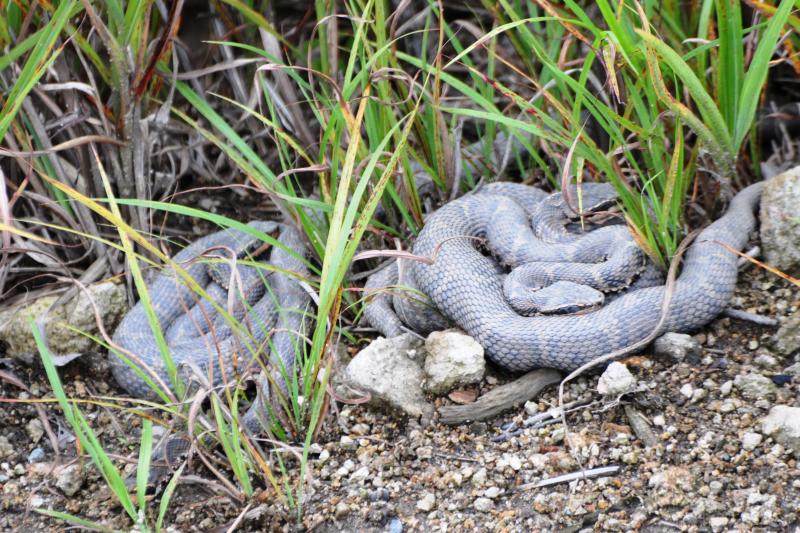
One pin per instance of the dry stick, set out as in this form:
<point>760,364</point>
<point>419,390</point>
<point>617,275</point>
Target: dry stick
<point>669,289</point>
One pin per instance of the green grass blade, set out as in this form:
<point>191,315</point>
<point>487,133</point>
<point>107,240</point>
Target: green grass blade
<point>757,73</point>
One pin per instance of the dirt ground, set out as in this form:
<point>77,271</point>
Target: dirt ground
<point>712,470</point>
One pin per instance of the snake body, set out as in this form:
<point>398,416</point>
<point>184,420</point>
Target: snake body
<point>467,287</point>
<point>264,298</point>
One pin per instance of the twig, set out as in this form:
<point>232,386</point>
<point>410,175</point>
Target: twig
<point>566,478</point>
<point>641,427</point>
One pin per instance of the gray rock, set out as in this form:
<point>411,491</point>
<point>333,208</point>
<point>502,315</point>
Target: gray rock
<point>6,449</point>
<point>483,504</point>
<point>386,371</point>
<point>35,430</point>
<point>783,425</point>
<point>780,225</point>
<point>36,456</point>
<point>750,441</point>
<point>453,359</point>
<point>677,346</point>
<point>792,370</point>
<point>69,479</point>
<point>786,340</point>
<point>427,502</point>
<point>78,313</point>
<point>754,386</point>
<point>616,380</point>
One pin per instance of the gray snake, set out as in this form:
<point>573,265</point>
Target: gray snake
<point>263,295</point>
<point>466,287</point>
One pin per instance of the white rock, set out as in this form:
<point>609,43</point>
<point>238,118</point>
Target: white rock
<point>69,479</point>
<point>780,226</point>
<point>453,359</point>
<point>384,370</point>
<point>754,386</point>
<point>616,380</point>
<point>676,346</point>
<point>783,425</point>
<point>492,492</point>
<point>687,390</point>
<point>427,502</point>
<point>750,441</point>
<point>483,505</point>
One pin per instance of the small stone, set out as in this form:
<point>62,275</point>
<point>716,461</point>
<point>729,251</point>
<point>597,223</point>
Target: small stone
<point>726,388</point>
<point>752,345</point>
<point>69,479</point>
<point>341,510</point>
<point>677,347</point>
<point>783,425</point>
<point>454,359</point>
<point>754,386</point>
<point>6,449</point>
<point>687,390</point>
<point>427,502</point>
<point>360,475</point>
<point>492,492</point>
<point>35,430</point>
<point>324,455</point>
<point>765,361</point>
<point>479,477</point>
<point>718,523</point>
<point>780,226</point>
<point>395,525</point>
<point>36,456</point>
<point>385,370</point>
<point>750,441</point>
<point>483,504</point>
<point>531,408</point>
<point>347,443</point>
<point>659,421</point>
<point>616,380</point>
<point>360,430</point>
<point>715,487</point>
<point>425,452</point>
<point>786,340</point>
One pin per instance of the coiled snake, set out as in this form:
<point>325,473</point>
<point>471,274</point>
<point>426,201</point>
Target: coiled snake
<point>265,296</point>
<point>467,288</point>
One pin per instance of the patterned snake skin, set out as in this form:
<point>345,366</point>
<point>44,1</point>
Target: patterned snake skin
<point>467,287</point>
<point>201,342</point>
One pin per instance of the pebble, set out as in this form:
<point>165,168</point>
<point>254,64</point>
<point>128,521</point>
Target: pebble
<point>687,390</point>
<point>492,492</point>
<point>677,346</point>
<point>6,449</point>
<point>427,502</point>
<point>360,475</point>
<point>754,386</point>
<point>341,510</point>
<point>479,477</point>
<point>616,380</point>
<point>36,456</point>
<point>483,504</point>
<point>750,441</point>
<point>726,388</point>
<point>348,443</point>
<point>70,479</point>
<point>395,525</point>
<point>35,430</point>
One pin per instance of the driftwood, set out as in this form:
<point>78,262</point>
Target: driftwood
<point>501,398</point>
